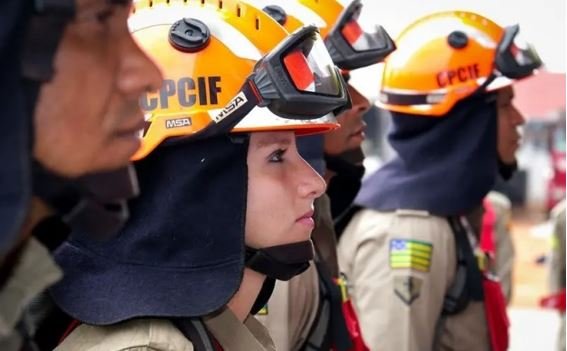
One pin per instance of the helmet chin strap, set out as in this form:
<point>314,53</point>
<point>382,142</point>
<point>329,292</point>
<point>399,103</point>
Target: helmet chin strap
<point>281,262</point>
<point>264,295</point>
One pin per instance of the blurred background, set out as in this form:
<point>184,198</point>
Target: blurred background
<point>540,182</point>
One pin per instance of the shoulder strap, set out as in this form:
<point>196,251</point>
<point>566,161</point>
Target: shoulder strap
<point>318,336</point>
<point>194,330</point>
<point>329,325</point>
<point>467,284</point>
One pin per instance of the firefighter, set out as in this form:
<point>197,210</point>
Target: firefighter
<point>312,310</point>
<point>409,252</point>
<point>222,217</point>
<point>71,78</point>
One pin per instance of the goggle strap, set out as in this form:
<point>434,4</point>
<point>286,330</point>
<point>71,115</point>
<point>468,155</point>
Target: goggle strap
<point>239,106</point>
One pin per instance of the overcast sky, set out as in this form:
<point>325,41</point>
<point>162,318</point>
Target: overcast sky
<point>542,23</point>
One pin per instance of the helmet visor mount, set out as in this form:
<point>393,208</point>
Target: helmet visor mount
<point>515,58</point>
<point>351,46</point>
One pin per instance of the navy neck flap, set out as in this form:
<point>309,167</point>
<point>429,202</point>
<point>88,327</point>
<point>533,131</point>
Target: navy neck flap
<point>443,165</point>
<point>181,253</point>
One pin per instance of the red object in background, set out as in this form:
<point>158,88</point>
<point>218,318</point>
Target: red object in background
<point>351,319</point>
<point>494,301</point>
<point>496,314</point>
<point>555,301</point>
<point>487,232</point>
<point>353,328</point>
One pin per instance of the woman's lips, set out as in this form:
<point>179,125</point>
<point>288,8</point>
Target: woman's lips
<point>307,219</point>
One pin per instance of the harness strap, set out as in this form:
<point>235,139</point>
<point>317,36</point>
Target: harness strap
<point>329,327</point>
<point>467,284</point>
<point>194,330</point>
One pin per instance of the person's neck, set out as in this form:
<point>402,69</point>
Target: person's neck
<point>242,302</point>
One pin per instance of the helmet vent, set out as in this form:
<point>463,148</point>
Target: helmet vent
<point>220,4</point>
<point>238,11</point>
<point>257,22</point>
<point>277,13</point>
<point>189,35</point>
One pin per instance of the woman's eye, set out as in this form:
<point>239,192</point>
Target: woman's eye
<point>277,156</point>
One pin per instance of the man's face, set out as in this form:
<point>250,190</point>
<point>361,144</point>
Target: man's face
<point>87,118</point>
<point>351,133</point>
<point>509,119</point>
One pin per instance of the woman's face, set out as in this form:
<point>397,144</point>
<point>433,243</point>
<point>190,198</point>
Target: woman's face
<point>281,191</point>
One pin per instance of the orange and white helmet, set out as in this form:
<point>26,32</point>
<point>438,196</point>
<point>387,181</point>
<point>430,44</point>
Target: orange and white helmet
<point>225,62</point>
<point>445,57</point>
<point>351,46</point>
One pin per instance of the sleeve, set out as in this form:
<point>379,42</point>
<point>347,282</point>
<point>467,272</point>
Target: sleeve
<point>400,269</point>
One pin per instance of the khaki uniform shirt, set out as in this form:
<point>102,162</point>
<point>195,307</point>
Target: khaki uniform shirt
<point>34,273</point>
<point>162,335</point>
<point>291,310</point>
<point>400,265</point>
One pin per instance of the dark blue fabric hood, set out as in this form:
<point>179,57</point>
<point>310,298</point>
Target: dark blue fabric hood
<point>181,253</point>
<point>443,165</point>
<point>15,134</point>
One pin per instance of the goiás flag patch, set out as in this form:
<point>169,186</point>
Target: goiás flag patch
<point>412,254</point>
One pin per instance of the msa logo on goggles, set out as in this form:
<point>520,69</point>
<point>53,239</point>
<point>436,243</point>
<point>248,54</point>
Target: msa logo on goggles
<point>459,75</point>
<point>232,106</point>
<point>189,91</point>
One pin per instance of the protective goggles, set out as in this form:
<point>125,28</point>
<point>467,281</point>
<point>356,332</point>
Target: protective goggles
<point>297,80</point>
<point>351,46</point>
<point>515,58</point>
